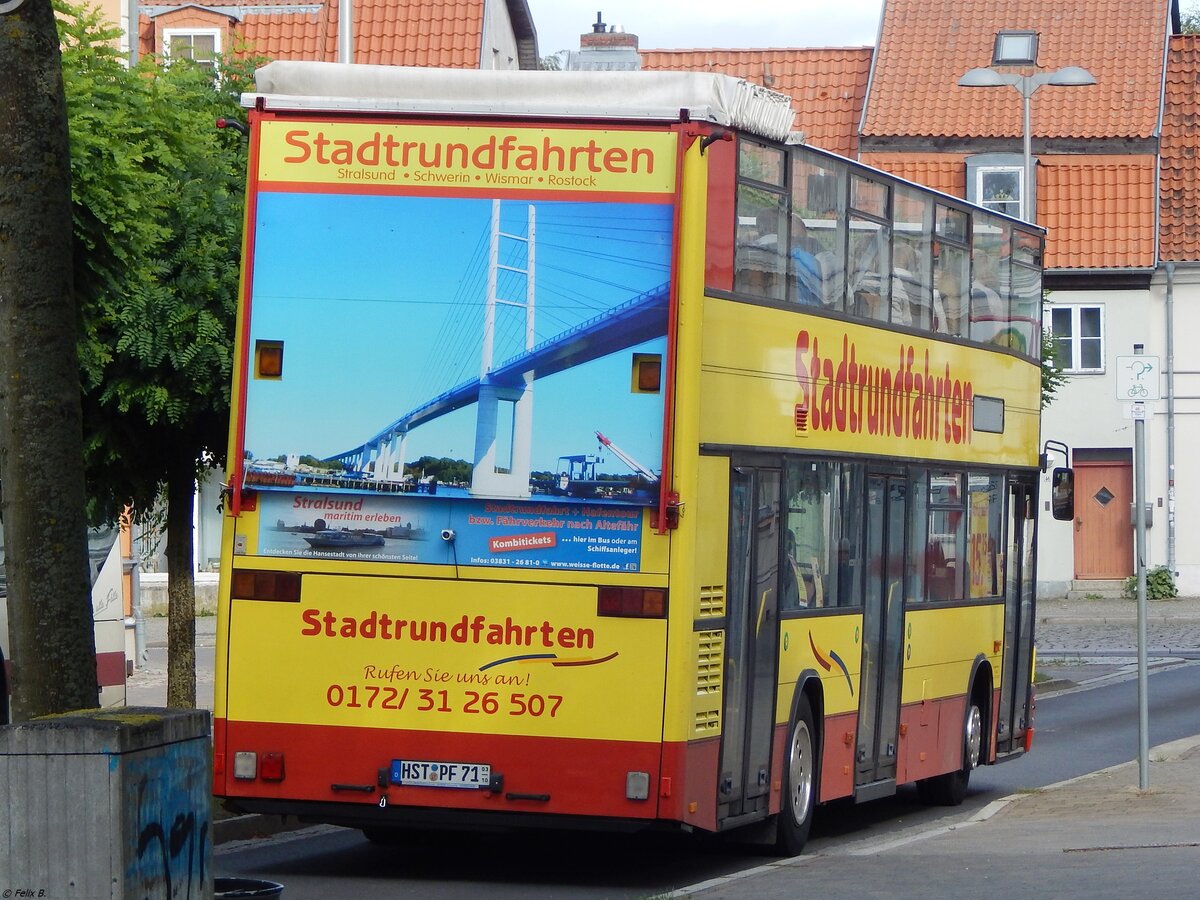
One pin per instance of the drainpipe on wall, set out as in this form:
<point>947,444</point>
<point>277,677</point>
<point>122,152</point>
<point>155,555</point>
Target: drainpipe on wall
<point>133,32</point>
<point>345,31</point>
<point>1170,304</point>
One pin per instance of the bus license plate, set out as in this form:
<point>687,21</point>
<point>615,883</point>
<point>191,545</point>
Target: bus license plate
<point>422,773</point>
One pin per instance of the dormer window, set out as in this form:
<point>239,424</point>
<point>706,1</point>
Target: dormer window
<point>200,45</point>
<point>1015,48</point>
<point>997,181</point>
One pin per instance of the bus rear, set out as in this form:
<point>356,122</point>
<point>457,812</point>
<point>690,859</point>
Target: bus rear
<point>445,594</point>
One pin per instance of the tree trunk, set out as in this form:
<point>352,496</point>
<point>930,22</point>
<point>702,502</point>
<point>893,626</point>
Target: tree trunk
<point>41,437</point>
<point>181,587</point>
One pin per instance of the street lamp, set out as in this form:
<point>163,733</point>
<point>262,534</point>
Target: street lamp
<point>1026,86</point>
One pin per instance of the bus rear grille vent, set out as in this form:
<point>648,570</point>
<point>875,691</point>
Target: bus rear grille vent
<point>712,600</point>
<point>708,721</point>
<point>708,662</point>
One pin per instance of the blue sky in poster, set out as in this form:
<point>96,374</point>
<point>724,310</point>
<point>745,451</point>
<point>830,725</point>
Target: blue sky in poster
<point>379,301</point>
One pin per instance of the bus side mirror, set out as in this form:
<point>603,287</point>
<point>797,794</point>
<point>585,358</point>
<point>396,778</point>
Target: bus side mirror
<point>1062,494</point>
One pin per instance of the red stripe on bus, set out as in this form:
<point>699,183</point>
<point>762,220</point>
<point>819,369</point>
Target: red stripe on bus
<point>580,777</point>
<point>692,770</point>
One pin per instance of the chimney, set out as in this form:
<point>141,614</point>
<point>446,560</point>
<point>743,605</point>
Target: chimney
<point>602,38</point>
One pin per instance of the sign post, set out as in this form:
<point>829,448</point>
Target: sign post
<point>1137,382</point>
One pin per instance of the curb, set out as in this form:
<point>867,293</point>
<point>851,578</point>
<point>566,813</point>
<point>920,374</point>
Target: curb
<point>1054,685</point>
<point>1154,618</point>
<point>254,825</point>
<point>1159,654</point>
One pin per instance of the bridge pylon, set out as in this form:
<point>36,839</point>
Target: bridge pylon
<point>504,413</point>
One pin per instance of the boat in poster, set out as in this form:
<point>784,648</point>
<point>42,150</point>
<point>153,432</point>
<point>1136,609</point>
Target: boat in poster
<point>344,540</point>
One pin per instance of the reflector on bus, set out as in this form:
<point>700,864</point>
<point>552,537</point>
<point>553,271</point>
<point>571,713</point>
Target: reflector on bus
<point>268,359</point>
<point>637,603</point>
<point>253,584</point>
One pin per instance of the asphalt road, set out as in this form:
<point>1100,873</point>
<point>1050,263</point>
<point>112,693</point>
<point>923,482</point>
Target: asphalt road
<point>1079,730</point>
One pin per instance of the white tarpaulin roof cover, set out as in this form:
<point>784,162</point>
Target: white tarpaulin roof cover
<point>662,96</point>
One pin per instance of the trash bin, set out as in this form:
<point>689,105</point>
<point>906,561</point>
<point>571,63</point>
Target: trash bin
<point>246,887</point>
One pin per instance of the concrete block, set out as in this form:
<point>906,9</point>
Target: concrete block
<point>108,804</point>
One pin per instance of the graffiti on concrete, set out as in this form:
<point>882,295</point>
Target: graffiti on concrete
<point>169,815</point>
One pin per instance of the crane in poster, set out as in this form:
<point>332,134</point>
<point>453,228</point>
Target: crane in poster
<point>637,467</point>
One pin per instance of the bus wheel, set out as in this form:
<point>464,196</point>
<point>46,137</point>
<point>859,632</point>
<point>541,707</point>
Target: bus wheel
<point>799,783</point>
<point>951,789</point>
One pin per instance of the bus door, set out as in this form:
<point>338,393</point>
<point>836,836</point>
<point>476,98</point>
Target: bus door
<point>751,643</point>
<point>883,638</point>
<point>1018,619</point>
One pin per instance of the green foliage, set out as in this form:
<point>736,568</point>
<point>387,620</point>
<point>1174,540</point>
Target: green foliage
<point>157,192</point>
<point>311,461</point>
<point>1160,584</point>
<point>1052,377</point>
<point>445,470</point>
<point>1190,19</point>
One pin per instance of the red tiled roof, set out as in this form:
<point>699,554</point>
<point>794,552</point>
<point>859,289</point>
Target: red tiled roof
<point>827,86</point>
<point>1096,210</point>
<point>445,33</point>
<point>290,36</point>
<point>925,46</point>
<point>438,33</point>
<point>945,172</point>
<point>1179,151</point>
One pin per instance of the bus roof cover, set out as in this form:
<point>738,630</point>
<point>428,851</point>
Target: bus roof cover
<point>660,96</point>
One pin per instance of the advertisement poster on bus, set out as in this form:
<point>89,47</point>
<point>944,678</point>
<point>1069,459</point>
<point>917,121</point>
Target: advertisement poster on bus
<point>459,314</point>
<point>469,532</point>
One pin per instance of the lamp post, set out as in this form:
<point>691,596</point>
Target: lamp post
<point>1027,86</point>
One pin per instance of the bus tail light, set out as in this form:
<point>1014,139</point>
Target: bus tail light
<point>271,767</point>
<point>635,603</point>
<point>245,765</point>
<point>252,584</point>
<point>637,785</point>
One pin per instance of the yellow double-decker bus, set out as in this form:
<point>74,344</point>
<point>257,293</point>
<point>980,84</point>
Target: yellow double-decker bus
<point>604,457</point>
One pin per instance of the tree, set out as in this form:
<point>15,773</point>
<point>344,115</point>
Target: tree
<point>1189,19</point>
<point>158,210</point>
<point>1052,376</point>
<point>50,614</point>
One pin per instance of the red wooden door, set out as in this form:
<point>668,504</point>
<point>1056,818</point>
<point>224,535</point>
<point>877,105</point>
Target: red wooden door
<point>1103,535</point>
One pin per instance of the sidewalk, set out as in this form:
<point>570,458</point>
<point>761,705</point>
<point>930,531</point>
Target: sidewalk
<point>1075,631</point>
<point>1077,612</point>
<point>1096,836</point>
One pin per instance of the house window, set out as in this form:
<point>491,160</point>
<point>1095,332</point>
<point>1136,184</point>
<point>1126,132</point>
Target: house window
<point>200,46</point>
<point>1001,189</point>
<point>1015,48</point>
<point>1078,337</point>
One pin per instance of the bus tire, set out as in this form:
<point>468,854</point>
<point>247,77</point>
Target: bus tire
<point>799,782</point>
<point>951,789</point>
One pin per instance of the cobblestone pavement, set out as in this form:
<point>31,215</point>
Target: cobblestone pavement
<point>1083,629</point>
